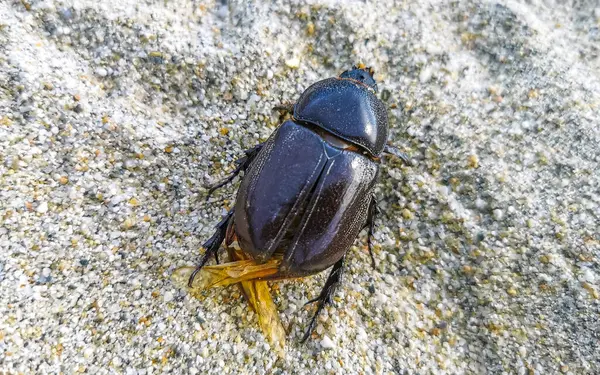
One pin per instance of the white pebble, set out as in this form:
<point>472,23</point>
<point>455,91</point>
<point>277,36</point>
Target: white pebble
<point>117,361</point>
<point>88,352</point>
<point>223,12</point>
<point>523,351</point>
<point>498,214</point>
<point>101,72</point>
<point>480,203</point>
<point>587,275</point>
<point>425,75</point>
<point>42,208</point>
<point>293,63</point>
<point>117,199</point>
<point>381,299</point>
<point>326,343</point>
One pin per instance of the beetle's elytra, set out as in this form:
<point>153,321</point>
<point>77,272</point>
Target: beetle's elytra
<point>307,191</point>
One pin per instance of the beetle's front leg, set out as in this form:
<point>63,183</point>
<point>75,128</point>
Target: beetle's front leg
<point>334,279</point>
<point>391,150</point>
<point>284,108</point>
<point>242,164</point>
<point>373,211</point>
<point>213,244</point>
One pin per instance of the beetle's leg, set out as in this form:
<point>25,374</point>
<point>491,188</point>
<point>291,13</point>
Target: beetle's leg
<point>391,150</point>
<point>284,108</point>
<point>213,244</point>
<point>242,164</point>
<point>373,211</point>
<point>325,296</point>
<point>224,182</point>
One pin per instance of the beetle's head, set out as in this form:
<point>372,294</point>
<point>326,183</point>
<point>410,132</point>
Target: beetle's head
<point>361,74</point>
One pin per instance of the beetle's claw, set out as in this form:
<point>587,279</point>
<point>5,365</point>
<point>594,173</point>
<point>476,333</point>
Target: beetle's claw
<point>285,108</point>
<point>373,211</point>
<point>230,178</point>
<point>309,330</point>
<point>211,190</point>
<point>370,246</point>
<point>212,245</point>
<point>405,158</point>
<point>391,150</point>
<point>325,296</point>
<point>241,165</point>
<point>197,269</point>
<point>373,264</point>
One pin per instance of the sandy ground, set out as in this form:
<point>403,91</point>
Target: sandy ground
<point>115,115</point>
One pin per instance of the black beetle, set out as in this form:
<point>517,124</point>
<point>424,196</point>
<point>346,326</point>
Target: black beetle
<point>307,191</point>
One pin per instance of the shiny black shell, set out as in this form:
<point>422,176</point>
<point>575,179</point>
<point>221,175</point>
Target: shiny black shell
<point>347,109</point>
<point>305,198</point>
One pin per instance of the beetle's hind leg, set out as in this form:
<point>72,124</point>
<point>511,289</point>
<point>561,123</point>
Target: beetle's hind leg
<point>334,279</point>
<point>242,164</point>
<point>213,244</point>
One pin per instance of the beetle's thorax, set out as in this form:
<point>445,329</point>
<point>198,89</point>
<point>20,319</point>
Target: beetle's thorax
<point>332,139</point>
<point>337,142</point>
<point>348,110</point>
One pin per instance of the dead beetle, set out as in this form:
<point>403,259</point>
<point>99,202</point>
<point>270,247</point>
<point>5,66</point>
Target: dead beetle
<point>307,191</point>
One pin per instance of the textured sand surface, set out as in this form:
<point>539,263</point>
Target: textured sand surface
<point>115,115</point>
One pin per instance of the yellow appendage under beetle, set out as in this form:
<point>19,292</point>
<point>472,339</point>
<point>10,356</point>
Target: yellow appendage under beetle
<point>248,274</point>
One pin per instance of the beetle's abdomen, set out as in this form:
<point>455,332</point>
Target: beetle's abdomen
<point>335,214</point>
<point>304,197</point>
<point>275,188</point>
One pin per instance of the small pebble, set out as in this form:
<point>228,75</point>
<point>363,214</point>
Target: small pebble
<point>168,296</point>
<point>293,63</point>
<point>101,72</point>
<point>117,362</point>
<point>42,208</point>
<point>498,214</point>
<point>326,343</point>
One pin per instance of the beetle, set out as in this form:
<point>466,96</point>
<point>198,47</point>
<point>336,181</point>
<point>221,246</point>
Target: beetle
<point>308,191</point>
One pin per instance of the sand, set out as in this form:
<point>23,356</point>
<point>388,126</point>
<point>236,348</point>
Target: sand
<point>116,115</point>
